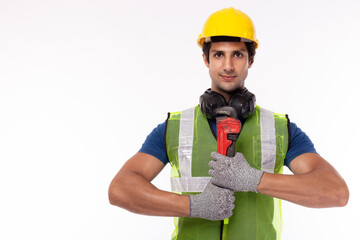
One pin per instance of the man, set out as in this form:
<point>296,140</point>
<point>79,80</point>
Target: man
<point>221,197</point>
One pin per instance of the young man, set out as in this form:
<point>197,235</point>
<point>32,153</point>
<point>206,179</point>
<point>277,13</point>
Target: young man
<point>209,187</point>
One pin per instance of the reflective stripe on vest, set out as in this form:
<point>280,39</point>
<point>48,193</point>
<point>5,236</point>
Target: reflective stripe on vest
<point>187,183</point>
<point>268,140</point>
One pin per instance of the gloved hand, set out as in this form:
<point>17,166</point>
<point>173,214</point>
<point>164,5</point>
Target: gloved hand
<point>234,173</point>
<point>214,203</point>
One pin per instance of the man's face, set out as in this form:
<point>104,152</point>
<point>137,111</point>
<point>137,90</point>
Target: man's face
<point>228,66</point>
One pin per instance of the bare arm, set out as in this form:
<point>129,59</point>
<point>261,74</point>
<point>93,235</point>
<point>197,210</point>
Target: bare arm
<point>315,183</point>
<point>131,189</point>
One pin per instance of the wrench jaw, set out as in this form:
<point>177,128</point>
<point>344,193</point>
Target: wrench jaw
<point>226,111</point>
<point>228,130</point>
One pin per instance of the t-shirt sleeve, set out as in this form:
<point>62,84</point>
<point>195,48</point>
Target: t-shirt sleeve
<point>155,143</point>
<point>300,143</point>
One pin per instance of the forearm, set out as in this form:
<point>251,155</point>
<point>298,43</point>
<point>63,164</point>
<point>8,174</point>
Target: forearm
<point>134,193</point>
<point>315,189</point>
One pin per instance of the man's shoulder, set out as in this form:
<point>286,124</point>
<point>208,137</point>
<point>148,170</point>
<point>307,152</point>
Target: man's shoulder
<point>155,143</point>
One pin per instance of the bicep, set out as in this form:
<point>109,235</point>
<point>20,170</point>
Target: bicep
<point>308,162</point>
<point>142,164</point>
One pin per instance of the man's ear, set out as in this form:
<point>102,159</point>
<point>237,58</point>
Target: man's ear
<point>251,63</point>
<point>205,61</point>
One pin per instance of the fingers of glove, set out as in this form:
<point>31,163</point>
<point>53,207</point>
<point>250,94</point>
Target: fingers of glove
<point>212,164</point>
<point>214,189</point>
<point>232,206</point>
<point>220,161</point>
<point>216,181</point>
<point>214,156</point>
<point>227,195</point>
<point>214,203</point>
<point>227,210</point>
<point>226,213</point>
<point>232,199</point>
<point>218,167</point>
<point>217,156</point>
<point>225,163</point>
<point>224,183</point>
<point>219,194</point>
<point>228,199</point>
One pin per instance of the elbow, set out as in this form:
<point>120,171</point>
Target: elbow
<point>343,197</point>
<point>336,196</point>
<point>339,196</point>
<point>111,195</point>
<point>119,196</point>
<point>115,195</point>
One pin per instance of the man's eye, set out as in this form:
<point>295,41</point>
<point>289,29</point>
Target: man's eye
<point>238,55</point>
<point>217,55</point>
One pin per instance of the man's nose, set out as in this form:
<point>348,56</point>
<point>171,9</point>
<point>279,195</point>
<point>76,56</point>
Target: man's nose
<point>228,65</point>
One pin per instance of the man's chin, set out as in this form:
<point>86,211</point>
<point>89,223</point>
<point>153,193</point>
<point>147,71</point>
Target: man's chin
<point>229,90</point>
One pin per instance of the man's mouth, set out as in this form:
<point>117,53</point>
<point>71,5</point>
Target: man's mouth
<point>227,77</point>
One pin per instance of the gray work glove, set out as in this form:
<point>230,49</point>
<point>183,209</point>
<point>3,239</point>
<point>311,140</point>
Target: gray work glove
<point>234,173</point>
<point>214,203</point>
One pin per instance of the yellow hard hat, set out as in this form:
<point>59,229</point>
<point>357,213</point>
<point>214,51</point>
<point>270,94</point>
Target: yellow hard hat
<point>228,22</point>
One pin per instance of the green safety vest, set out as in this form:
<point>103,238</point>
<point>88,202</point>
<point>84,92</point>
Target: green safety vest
<point>263,141</point>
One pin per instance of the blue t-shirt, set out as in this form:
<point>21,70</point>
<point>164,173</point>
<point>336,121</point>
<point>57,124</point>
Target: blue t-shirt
<point>300,143</point>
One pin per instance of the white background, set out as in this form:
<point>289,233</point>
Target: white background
<point>82,83</point>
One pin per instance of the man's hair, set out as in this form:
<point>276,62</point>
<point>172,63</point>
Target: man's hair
<point>250,46</point>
